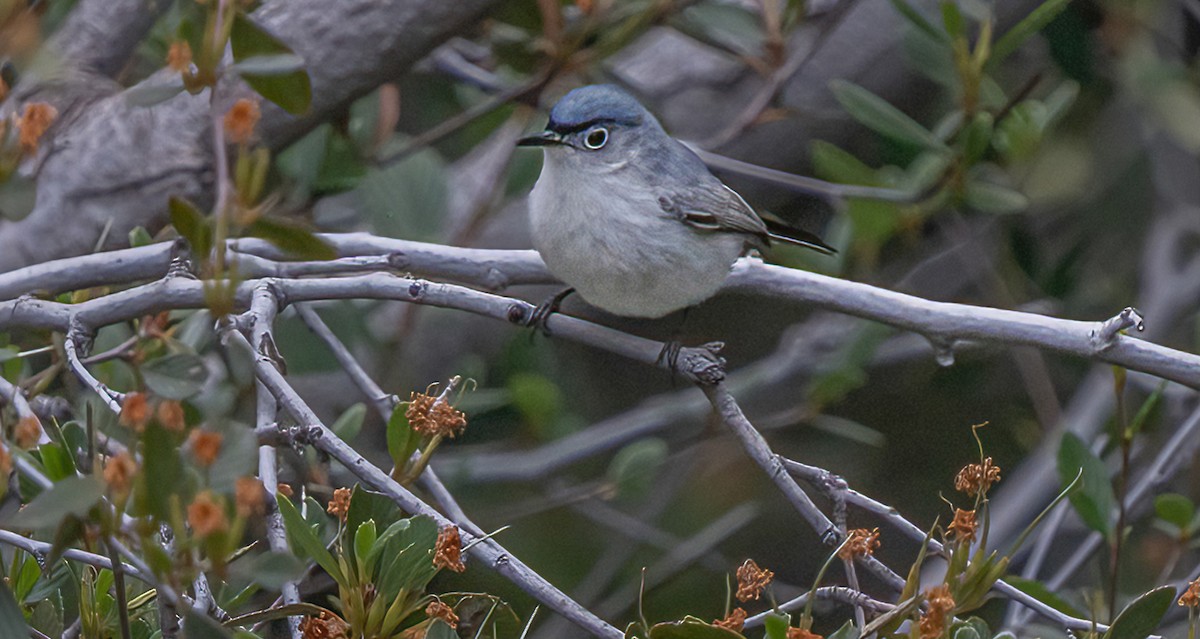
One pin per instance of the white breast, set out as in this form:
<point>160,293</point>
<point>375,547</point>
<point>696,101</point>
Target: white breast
<point>612,242</point>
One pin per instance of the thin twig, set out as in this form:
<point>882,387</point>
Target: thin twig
<point>263,309</point>
<point>487,550</point>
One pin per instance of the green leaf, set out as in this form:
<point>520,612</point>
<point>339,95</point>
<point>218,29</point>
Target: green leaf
<point>72,496</point>
<point>880,116</point>
<point>266,65</point>
<point>635,467</point>
<point>290,90</point>
<point>776,625</point>
<point>367,506</point>
<point>835,164</point>
<point>12,620</point>
<point>967,632</point>
<point>1139,619</point>
<point>952,19</point>
<point>993,198</point>
<point>1175,509</point>
<point>538,400</point>
<point>270,569</point>
<point>847,631</point>
<point>690,628</point>
<point>304,540</point>
<point>1023,30</point>
<point>162,471</point>
<point>1039,591</point>
<point>198,626</point>
<point>401,440</point>
<point>364,539</point>
<point>139,236</point>
<point>1094,501</point>
<point>292,237</point>
<point>149,92</point>
<point>350,422</point>
<point>405,555</point>
<point>238,457</point>
<point>57,461</point>
<point>192,226</point>
<point>439,630</point>
<point>977,137</point>
<point>177,376</point>
<point>914,17</point>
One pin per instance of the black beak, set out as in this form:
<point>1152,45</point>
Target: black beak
<point>545,138</point>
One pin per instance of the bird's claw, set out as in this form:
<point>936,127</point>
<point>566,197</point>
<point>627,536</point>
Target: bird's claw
<point>541,314</point>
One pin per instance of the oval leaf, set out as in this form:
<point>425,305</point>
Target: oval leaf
<point>993,198</point>
<point>176,376</point>
<point>290,90</point>
<point>305,541</point>
<point>880,116</point>
<point>71,496</point>
<point>292,238</point>
<point>1143,615</point>
<point>266,65</point>
<point>1175,509</point>
<point>1094,501</point>
<point>12,622</point>
<point>191,224</point>
<point>147,94</point>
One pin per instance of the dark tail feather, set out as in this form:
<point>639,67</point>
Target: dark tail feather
<point>799,237</point>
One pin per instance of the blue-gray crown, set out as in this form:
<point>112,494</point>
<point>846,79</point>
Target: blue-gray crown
<point>598,103</point>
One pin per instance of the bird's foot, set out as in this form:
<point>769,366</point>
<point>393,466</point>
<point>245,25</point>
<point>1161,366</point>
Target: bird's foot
<point>541,314</point>
<point>700,364</point>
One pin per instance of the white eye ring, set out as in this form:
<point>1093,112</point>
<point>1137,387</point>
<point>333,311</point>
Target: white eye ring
<point>596,138</point>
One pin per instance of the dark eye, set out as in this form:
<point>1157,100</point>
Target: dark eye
<point>596,138</point>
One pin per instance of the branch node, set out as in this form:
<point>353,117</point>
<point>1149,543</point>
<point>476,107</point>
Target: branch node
<point>516,313</point>
<point>416,290</point>
<point>702,364</point>
<point>398,260</point>
<point>495,279</point>
<point>1105,335</point>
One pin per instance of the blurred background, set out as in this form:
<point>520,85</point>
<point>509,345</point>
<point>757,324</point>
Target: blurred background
<point>1031,155</point>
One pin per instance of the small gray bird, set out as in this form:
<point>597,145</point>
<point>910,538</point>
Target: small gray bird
<point>629,217</point>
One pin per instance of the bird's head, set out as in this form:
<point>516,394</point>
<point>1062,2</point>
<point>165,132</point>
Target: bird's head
<point>599,127</point>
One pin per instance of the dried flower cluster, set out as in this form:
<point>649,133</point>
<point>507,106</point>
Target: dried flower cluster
<point>752,580</point>
<point>1191,597</point>
<point>205,446</point>
<point>447,554</point>
<point>324,626</point>
<point>28,432</point>
<point>6,465</point>
<point>964,525</point>
<point>974,479</point>
<point>802,633</point>
<point>860,542</point>
<point>431,418</point>
<point>941,605</point>
<point>179,56</point>
<point>248,494</point>
<point>339,506</point>
<point>734,621</point>
<point>206,515</point>
<point>240,120</point>
<point>135,411</point>
<point>170,415</point>
<point>33,123</point>
<point>119,472</point>
<point>438,610</point>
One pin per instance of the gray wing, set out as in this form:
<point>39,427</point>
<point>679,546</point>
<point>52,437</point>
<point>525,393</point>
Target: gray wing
<point>712,206</point>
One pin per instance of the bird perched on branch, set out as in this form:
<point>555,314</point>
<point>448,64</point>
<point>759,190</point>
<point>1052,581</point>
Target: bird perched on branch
<point>631,218</point>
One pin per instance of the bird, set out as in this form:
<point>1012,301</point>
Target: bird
<point>629,217</point>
